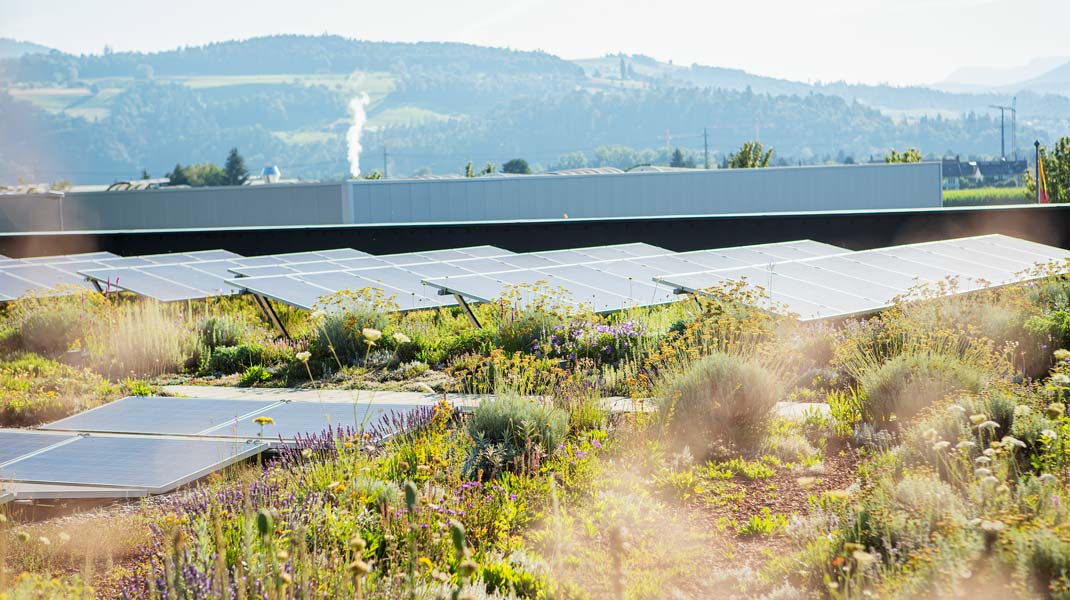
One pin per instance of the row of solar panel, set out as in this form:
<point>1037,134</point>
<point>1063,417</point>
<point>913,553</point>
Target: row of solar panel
<point>147,445</point>
<point>869,281</point>
<point>809,278</point>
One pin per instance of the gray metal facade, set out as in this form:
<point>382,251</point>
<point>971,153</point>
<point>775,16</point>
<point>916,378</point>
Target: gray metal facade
<point>693,192</point>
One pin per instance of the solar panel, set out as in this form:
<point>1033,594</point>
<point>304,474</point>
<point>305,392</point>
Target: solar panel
<point>868,281</point>
<point>169,282</point>
<point>6,497</point>
<point>161,416</point>
<point>16,443</point>
<point>291,419</point>
<point>155,464</point>
<point>62,258</point>
<point>615,284</point>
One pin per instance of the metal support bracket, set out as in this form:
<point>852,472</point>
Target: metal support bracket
<point>468,311</point>
<point>269,311</point>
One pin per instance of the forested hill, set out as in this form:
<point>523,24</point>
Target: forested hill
<point>435,106</point>
<point>291,54</point>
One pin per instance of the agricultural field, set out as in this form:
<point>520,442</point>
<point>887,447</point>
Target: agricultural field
<point>987,196</point>
<point>920,452</point>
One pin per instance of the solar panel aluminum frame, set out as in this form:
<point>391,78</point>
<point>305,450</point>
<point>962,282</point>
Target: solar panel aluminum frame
<point>6,497</point>
<point>44,491</point>
<point>72,423</point>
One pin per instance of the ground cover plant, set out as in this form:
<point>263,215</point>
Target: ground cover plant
<point>923,451</point>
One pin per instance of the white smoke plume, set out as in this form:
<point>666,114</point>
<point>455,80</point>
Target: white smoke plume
<point>356,127</point>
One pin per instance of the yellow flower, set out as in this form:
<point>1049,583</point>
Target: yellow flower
<point>262,421</point>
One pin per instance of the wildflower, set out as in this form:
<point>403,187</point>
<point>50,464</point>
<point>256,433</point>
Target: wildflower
<point>1060,379</point>
<point>989,452</point>
<point>1049,434</point>
<point>992,527</point>
<point>23,536</point>
<point>982,472</point>
<point>44,541</point>
<point>978,418</point>
<point>359,567</point>
<point>401,338</point>
<point>1013,441</point>
<point>306,453</point>
<point>1048,479</point>
<point>965,445</point>
<point>262,421</point>
<point>370,334</point>
<point>303,356</point>
<point>64,537</point>
<point>989,481</point>
<point>1056,410</point>
<point>989,425</point>
<point>931,434</point>
<point>941,445</point>
<point>956,408</point>
<point>1062,354</point>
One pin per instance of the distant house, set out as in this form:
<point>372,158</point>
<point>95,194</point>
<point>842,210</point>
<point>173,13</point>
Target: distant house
<point>957,173</point>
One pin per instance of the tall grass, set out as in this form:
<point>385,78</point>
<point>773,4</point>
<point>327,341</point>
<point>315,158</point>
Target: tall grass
<point>141,339</point>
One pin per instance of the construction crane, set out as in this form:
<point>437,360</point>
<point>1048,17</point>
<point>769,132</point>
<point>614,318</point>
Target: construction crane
<point>1002,132</point>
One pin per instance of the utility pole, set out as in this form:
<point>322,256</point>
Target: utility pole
<point>706,147</point>
<point>386,168</point>
<point>1014,127</point>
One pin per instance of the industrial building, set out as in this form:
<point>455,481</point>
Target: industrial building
<point>582,194</point>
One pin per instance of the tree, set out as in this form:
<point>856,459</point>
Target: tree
<point>518,166</point>
<point>178,175</point>
<point>572,160</point>
<point>1056,172</point>
<point>374,175</point>
<point>145,174</point>
<point>469,170</point>
<point>911,155</point>
<point>750,156</point>
<point>236,173</point>
<point>488,169</point>
<point>205,174</point>
<point>677,159</point>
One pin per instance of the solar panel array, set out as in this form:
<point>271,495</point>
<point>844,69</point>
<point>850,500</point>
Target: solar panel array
<point>868,281</point>
<point>44,274</point>
<point>616,283</point>
<point>194,275</point>
<point>402,275</point>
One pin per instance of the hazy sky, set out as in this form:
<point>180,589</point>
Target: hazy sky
<point>899,41</point>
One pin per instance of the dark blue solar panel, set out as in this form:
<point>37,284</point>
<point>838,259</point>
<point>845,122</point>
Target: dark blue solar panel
<point>147,414</point>
<point>15,443</point>
<point>152,463</point>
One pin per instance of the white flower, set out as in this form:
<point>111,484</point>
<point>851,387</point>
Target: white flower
<point>982,472</point>
<point>401,338</point>
<point>956,408</point>
<point>965,445</point>
<point>1013,441</point>
<point>989,452</point>
<point>931,434</point>
<point>1050,434</point>
<point>989,481</point>
<point>370,334</point>
<point>982,460</point>
<point>1048,479</point>
<point>303,356</point>
<point>1061,379</point>
<point>989,425</point>
<point>941,445</point>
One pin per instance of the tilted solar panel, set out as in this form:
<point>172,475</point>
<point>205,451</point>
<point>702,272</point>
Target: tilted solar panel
<point>610,285</point>
<point>160,416</point>
<point>871,280</point>
<point>155,464</point>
